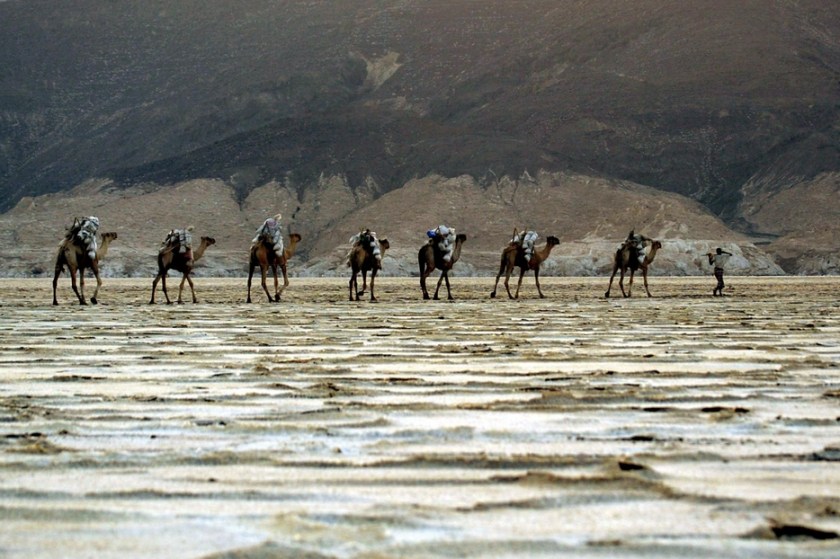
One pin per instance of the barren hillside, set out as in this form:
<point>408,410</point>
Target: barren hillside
<point>731,104</point>
<point>580,210</point>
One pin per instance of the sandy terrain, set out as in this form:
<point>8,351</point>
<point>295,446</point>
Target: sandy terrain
<point>678,426</point>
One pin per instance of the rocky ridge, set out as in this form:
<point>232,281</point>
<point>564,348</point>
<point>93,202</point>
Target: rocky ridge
<point>733,105</point>
<point>579,210</point>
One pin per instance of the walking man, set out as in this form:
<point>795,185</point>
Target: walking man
<point>718,259</point>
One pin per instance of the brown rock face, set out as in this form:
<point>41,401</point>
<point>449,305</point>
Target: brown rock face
<point>589,216</point>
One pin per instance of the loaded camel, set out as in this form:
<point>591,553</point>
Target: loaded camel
<point>430,257</point>
<point>263,255</point>
<point>169,257</point>
<point>513,255</point>
<point>361,259</point>
<point>626,258</point>
<point>73,255</point>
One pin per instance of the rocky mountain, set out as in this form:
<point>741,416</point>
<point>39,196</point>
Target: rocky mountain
<point>355,112</point>
<point>579,210</point>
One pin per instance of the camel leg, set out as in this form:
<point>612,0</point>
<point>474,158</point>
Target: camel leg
<point>421,262</point>
<point>644,276</point>
<point>250,277</point>
<point>186,279</point>
<point>192,287</point>
<point>537,280</point>
<point>263,279</point>
<point>181,289</point>
<point>354,283</point>
<point>95,268</point>
<point>423,275</point>
<point>630,285</point>
<point>58,269</point>
<point>372,279</point>
<point>496,285</point>
<point>154,288</point>
<point>163,287</point>
<point>444,276</point>
<point>82,284</point>
<point>361,292</point>
<point>80,296</point>
<point>276,284</point>
<point>607,294</point>
<point>519,283</point>
<point>621,282</point>
<point>502,268</point>
<point>285,281</point>
<point>507,281</point>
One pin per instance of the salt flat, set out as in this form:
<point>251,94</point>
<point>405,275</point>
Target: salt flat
<point>681,425</point>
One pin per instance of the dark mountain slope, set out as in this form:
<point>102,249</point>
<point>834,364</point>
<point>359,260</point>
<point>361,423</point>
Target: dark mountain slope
<point>696,98</point>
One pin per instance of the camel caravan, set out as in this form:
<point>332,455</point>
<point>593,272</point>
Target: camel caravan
<point>81,250</point>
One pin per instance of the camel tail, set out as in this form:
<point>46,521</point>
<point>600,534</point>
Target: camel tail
<point>60,262</point>
<point>503,261</point>
<point>502,267</point>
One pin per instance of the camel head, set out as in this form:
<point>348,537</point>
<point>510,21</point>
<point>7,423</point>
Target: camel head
<point>550,242</point>
<point>654,247</point>
<point>106,242</point>
<point>206,242</point>
<point>460,237</point>
<point>294,239</point>
<point>384,244</point>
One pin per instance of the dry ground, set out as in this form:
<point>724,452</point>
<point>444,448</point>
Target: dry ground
<point>682,425</point>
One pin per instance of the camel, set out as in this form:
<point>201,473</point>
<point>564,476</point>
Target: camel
<point>361,259</point>
<point>430,257</point>
<point>625,257</point>
<point>170,258</point>
<point>263,255</point>
<point>514,255</point>
<point>73,255</point>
